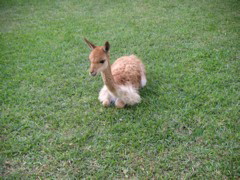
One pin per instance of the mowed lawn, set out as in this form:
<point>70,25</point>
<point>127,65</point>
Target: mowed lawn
<point>188,123</point>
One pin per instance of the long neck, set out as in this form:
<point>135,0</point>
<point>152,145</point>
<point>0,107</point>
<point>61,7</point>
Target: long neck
<point>108,79</point>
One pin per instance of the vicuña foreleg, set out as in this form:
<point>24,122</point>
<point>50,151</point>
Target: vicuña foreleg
<point>119,103</point>
<point>105,97</point>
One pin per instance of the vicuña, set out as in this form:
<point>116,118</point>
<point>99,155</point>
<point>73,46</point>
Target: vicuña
<point>122,79</point>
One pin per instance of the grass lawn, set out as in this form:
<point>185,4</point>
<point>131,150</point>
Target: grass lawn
<point>188,123</point>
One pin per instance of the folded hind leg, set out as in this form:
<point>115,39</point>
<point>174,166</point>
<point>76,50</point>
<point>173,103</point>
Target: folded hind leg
<point>104,96</point>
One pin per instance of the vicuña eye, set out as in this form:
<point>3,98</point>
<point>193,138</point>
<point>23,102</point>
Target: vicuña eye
<point>102,61</point>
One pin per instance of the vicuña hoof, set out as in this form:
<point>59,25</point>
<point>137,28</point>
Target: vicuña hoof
<point>106,103</point>
<point>119,103</point>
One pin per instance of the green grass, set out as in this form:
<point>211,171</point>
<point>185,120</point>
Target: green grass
<point>187,125</point>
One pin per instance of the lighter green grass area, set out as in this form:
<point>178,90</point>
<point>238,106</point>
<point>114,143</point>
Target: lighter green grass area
<point>187,125</point>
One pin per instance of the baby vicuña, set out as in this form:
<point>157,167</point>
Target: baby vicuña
<point>122,79</point>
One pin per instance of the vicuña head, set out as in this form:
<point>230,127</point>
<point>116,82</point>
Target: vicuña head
<point>99,57</point>
<point>122,79</point>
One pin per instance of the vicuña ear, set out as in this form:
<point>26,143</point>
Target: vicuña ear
<point>91,45</point>
<point>106,46</point>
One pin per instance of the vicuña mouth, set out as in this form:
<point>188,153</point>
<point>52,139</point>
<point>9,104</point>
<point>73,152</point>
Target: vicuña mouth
<point>93,73</point>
